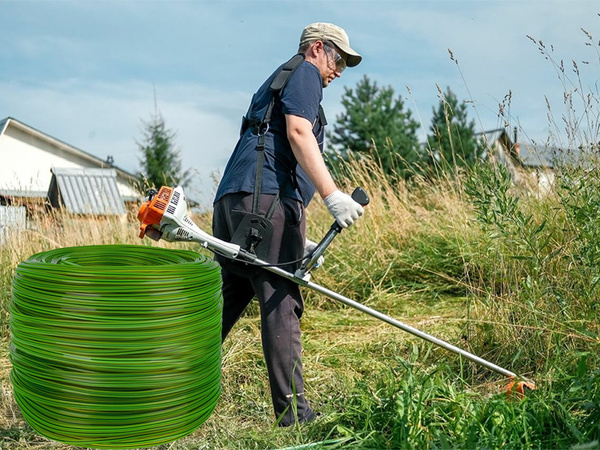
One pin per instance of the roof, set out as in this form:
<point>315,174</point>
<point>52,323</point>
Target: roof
<point>529,154</point>
<point>491,136</point>
<point>3,123</point>
<point>63,146</point>
<point>536,155</point>
<point>86,191</point>
<point>22,194</point>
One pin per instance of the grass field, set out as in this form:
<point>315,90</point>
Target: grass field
<point>468,258</point>
<point>343,350</point>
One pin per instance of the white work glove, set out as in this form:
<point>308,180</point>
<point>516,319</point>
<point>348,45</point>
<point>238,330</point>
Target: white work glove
<point>343,208</point>
<point>309,246</point>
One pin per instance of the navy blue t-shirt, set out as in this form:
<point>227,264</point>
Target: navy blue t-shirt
<point>301,97</point>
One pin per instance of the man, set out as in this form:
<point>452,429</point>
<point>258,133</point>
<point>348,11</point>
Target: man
<point>292,169</point>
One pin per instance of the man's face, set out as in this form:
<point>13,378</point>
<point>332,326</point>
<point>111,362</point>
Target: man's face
<point>331,64</point>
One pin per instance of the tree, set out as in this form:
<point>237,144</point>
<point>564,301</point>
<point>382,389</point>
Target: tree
<point>452,142</point>
<point>161,163</point>
<point>375,122</point>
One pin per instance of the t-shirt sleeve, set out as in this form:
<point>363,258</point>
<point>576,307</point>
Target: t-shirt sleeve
<point>303,93</point>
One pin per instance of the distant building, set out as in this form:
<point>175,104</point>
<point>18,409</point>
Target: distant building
<point>529,163</point>
<point>31,159</point>
<point>38,171</point>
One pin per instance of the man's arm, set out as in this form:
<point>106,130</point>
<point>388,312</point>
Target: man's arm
<point>307,153</point>
<point>306,150</point>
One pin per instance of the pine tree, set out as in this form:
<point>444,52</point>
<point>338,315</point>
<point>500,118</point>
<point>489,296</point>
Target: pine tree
<point>452,142</point>
<point>375,122</point>
<point>161,163</point>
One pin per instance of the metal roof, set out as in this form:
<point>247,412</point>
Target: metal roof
<point>535,155</point>
<point>491,136</point>
<point>86,191</point>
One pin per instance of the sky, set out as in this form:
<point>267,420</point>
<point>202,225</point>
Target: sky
<point>90,73</point>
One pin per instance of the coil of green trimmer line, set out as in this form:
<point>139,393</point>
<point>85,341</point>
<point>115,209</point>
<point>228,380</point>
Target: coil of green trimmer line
<point>116,346</point>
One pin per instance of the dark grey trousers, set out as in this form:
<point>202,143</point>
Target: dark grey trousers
<point>281,303</point>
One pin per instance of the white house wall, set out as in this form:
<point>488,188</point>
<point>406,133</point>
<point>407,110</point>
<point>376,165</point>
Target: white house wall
<point>27,161</point>
<point>12,218</point>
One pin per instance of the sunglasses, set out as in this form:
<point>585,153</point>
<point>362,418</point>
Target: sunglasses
<point>340,63</point>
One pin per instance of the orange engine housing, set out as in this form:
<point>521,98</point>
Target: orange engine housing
<point>151,212</point>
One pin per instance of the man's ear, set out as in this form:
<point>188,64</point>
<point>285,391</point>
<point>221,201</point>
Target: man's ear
<point>315,48</point>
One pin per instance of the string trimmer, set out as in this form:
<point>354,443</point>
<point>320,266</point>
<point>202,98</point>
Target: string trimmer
<point>165,216</point>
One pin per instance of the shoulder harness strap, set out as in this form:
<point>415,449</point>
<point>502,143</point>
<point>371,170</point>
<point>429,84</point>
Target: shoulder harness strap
<point>279,82</point>
<point>281,79</point>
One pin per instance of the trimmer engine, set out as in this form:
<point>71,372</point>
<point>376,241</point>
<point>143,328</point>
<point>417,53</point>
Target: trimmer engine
<point>165,216</point>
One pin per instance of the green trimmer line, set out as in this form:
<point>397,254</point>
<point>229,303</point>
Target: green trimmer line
<point>164,216</point>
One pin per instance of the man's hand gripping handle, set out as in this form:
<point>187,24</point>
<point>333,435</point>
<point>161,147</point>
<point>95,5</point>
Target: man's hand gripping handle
<point>360,198</point>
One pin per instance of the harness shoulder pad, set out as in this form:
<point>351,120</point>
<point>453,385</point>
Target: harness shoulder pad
<point>281,79</point>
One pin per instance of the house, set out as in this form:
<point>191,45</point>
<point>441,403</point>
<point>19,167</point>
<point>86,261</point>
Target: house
<point>538,162</point>
<point>31,159</point>
<point>500,148</point>
<point>39,170</point>
<point>529,163</point>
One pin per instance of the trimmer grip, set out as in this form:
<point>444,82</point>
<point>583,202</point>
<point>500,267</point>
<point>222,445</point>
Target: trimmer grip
<point>360,196</point>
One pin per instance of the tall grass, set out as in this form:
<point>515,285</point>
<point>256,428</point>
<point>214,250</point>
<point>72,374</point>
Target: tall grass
<point>470,258</point>
<point>410,239</point>
<point>414,408</point>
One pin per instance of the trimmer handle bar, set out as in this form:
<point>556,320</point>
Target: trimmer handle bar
<point>359,196</point>
<point>164,216</point>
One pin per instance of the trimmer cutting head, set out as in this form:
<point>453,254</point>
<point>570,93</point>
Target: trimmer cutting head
<point>516,389</point>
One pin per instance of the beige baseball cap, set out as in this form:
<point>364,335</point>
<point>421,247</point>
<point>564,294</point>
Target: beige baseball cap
<point>330,32</point>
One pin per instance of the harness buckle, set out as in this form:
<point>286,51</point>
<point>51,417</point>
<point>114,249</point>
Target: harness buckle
<point>262,129</point>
